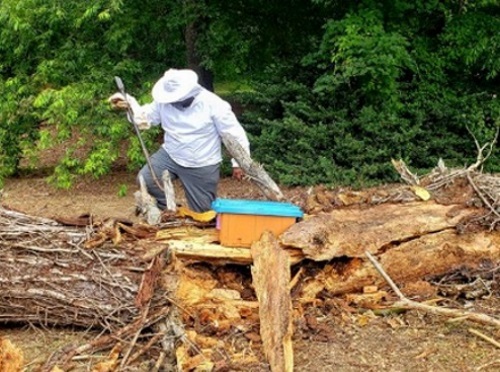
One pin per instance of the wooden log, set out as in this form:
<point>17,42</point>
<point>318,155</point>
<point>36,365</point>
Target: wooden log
<point>271,279</point>
<point>253,170</point>
<point>429,256</point>
<point>351,232</point>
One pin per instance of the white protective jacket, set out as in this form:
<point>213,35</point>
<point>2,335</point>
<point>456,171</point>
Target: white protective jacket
<point>193,135</point>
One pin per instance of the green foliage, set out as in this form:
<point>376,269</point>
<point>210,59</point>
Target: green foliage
<point>337,88</point>
<point>366,58</point>
<point>122,190</point>
<point>55,76</point>
<point>389,80</point>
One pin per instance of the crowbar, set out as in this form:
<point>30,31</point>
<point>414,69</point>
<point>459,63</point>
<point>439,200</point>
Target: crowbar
<point>121,88</point>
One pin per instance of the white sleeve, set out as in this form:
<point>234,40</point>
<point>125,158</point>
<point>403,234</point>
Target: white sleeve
<point>145,115</point>
<point>227,123</point>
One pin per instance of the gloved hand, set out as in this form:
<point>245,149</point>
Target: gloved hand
<point>118,102</point>
<point>238,173</point>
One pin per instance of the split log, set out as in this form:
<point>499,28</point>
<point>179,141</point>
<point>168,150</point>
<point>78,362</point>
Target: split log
<point>214,253</point>
<point>271,278</point>
<point>253,170</point>
<point>190,233</point>
<point>351,232</point>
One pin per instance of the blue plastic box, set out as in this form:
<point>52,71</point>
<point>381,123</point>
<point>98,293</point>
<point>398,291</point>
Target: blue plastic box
<point>241,222</point>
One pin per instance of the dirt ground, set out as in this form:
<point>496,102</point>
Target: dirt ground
<point>340,340</point>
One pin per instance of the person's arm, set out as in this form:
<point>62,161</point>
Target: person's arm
<point>227,123</point>
<point>144,116</point>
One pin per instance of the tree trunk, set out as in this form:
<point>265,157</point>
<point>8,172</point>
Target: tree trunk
<point>193,58</point>
<point>351,232</point>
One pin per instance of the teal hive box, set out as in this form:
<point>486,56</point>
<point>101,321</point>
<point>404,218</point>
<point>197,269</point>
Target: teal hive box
<point>241,222</point>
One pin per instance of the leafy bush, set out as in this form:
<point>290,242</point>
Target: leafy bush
<point>388,81</point>
<point>55,76</point>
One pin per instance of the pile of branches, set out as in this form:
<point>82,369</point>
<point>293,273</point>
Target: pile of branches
<point>52,275</point>
<point>485,188</point>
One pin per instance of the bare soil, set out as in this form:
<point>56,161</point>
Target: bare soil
<point>336,337</point>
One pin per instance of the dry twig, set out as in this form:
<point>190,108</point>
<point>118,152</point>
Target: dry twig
<point>481,158</point>
<point>484,337</point>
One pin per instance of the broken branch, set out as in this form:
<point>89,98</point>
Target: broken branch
<point>484,337</point>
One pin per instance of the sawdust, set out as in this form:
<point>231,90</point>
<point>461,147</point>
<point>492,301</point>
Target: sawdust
<point>332,336</point>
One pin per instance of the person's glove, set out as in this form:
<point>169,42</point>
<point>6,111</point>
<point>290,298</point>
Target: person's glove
<point>238,173</point>
<point>118,102</point>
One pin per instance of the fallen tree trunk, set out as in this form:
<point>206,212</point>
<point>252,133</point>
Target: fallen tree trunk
<point>427,257</point>
<point>351,232</point>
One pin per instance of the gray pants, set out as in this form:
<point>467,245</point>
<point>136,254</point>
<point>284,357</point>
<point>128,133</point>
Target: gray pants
<point>200,184</point>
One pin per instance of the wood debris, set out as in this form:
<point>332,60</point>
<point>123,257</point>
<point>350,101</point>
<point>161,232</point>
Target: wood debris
<point>50,277</point>
<point>207,306</point>
<point>11,357</point>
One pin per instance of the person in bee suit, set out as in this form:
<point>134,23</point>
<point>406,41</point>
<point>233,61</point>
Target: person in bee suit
<point>193,120</point>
